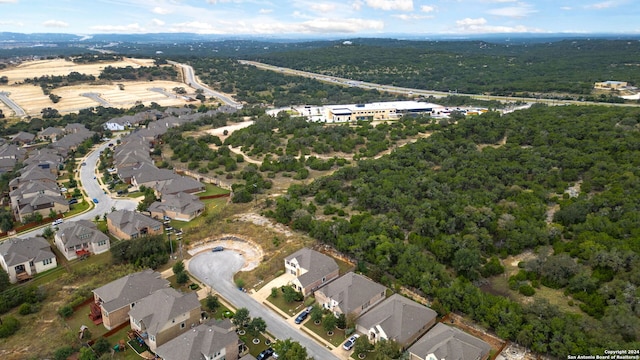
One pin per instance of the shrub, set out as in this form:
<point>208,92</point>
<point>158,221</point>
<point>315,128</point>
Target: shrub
<point>9,326</point>
<point>63,353</point>
<point>182,278</point>
<point>526,290</point>
<point>26,309</point>
<point>274,292</point>
<point>65,311</point>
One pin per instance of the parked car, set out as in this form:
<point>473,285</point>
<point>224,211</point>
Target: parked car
<point>303,315</point>
<point>348,345</point>
<point>73,201</point>
<point>217,248</point>
<point>265,354</point>
<point>95,200</point>
<point>57,222</point>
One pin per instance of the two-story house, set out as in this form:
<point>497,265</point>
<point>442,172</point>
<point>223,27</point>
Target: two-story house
<point>115,299</point>
<point>181,206</point>
<point>213,340</point>
<point>78,238</point>
<point>350,294</point>
<point>164,315</point>
<point>23,258</point>
<point>126,224</point>
<point>448,343</point>
<point>311,269</point>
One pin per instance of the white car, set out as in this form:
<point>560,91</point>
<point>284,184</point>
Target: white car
<point>57,222</point>
<point>348,345</point>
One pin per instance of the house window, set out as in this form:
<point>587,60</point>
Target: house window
<point>182,326</point>
<point>324,279</point>
<point>30,263</point>
<point>152,338</point>
<point>47,261</point>
<point>102,243</point>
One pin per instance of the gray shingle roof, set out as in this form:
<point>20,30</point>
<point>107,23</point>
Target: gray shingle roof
<point>74,233</point>
<point>18,251</point>
<point>351,291</point>
<point>206,339</point>
<point>182,203</point>
<point>399,318</point>
<point>317,265</point>
<point>159,308</point>
<point>449,343</point>
<point>131,222</point>
<point>130,289</point>
<point>178,184</point>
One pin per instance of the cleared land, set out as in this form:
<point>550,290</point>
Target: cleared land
<point>32,100</point>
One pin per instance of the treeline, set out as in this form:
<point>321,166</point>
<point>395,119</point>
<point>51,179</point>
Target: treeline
<point>255,86</point>
<point>94,58</point>
<point>458,200</point>
<point>477,67</point>
<point>50,82</point>
<point>142,73</point>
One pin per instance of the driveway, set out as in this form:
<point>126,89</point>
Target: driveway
<point>216,269</point>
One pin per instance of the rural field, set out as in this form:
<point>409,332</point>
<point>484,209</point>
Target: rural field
<point>32,99</point>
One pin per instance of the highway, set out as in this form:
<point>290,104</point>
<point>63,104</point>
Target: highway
<point>216,269</point>
<point>417,92</point>
<point>191,80</point>
<point>4,97</point>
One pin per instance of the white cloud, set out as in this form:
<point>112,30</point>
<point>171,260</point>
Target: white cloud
<point>131,28</point>
<point>402,5</point>
<point>8,1</point>
<point>427,8</point>
<point>161,11</point>
<point>412,17</point>
<point>602,5</point>
<point>513,11</point>
<point>322,7</point>
<point>265,11</point>
<point>480,26</point>
<point>499,1</point>
<point>157,22</point>
<point>566,8</point>
<point>194,27</point>
<point>11,23</point>
<point>55,24</point>
<point>356,5</point>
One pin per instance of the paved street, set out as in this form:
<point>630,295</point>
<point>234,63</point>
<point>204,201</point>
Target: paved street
<point>217,269</point>
<point>4,97</point>
<point>190,79</point>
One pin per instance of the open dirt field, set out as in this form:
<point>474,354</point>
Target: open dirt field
<point>62,67</point>
<point>32,100</point>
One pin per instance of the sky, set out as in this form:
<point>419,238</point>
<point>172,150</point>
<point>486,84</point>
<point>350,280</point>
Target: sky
<point>320,17</point>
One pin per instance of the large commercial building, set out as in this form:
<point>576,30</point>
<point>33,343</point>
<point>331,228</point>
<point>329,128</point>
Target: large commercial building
<point>378,111</point>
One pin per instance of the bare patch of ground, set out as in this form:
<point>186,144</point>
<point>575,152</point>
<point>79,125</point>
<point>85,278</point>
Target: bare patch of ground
<point>263,221</point>
<point>495,146</point>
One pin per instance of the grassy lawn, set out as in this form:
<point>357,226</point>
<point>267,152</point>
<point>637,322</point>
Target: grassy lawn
<point>343,266</point>
<point>78,208</point>
<point>211,189</point>
<point>291,308</point>
<point>93,260</point>
<point>81,317</point>
<point>254,349</point>
<point>336,339</point>
<point>212,207</point>
<point>184,287</point>
<point>128,354</point>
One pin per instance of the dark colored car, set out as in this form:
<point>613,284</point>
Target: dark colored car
<point>95,200</point>
<point>73,201</point>
<point>303,315</point>
<point>217,248</point>
<point>265,354</point>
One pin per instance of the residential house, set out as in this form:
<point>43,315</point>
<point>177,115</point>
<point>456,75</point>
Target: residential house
<point>396,318</point>
<point>125,224</point>
<point>176,185</point>
<point>78,238</point>
<point>444,342</point>
<point>39,203</point>
<point>22,138</point>
<point>115,299</point>
<point>312,270</point>
<point>51,133</point>
<point>350,294</point>
<point>23,258</point>
<point>121,123</point>
<point>181,206</point>
<point>10,155</point>
<point>45,159</point>
<point>164,315</point>
<point>33,174</point>
<point>213,340</point>
<point>75,128</point>
<point>150,175</point>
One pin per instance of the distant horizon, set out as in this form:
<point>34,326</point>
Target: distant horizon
<point>304,18</point>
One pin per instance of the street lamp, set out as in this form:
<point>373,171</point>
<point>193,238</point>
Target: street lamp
<point>168,229</point>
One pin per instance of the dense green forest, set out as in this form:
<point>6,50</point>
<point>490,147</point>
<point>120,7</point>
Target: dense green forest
<point>142,73</point>
<point>449,206</point>
<point>563,67</point>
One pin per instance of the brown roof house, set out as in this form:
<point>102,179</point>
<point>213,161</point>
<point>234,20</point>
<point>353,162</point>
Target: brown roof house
<point>51,133</point>
<point>164,315</point>
<point>125,224</point>
<point>22,138</point>
<point>77,238</point>
<point>448,343</point>
<point>350,294</point>
<point>215,339</point>
<point>312,270</point>
<point>116,298</point>
<point>181,206</point>
<point>23,258</point>
<point>396,318</point>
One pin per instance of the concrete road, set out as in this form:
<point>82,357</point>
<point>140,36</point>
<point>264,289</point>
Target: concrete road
<point>191,80</point>
<point>4,97</point>
<point>217,269</point>
<point>96,97</point>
